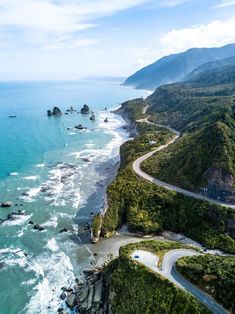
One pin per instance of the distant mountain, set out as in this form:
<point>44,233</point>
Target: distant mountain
<point>177,67</point>
<point>214,73</point>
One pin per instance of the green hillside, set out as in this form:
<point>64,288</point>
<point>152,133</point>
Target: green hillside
<point>136,289</point>
<point>214,274</point>
<point>203,158</point>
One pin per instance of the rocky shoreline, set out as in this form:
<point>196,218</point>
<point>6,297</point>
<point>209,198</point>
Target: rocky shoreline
<point>90,294</point>
<point>130,127</point>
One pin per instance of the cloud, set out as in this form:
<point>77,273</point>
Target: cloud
<point>173,3</point>
<point>69,43</point>
<point>225,3</point>
<point>216,33</point>
<point>42,21</point>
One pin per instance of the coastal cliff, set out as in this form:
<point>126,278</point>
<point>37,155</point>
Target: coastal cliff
<point>148,208</point>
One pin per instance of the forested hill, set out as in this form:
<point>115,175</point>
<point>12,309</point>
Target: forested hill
<point>203,159</point>
<point>212,73</point>
<point>177,67</point>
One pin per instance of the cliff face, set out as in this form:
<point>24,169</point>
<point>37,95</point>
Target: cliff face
<point>220,184</point>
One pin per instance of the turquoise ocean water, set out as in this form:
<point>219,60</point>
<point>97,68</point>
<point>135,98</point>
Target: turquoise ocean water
<point>55,175</point>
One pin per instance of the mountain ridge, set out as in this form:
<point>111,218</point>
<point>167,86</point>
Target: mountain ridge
<point>176,67</point>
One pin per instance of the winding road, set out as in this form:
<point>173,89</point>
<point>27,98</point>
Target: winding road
<point>137,168</point>
<point>168,270</point>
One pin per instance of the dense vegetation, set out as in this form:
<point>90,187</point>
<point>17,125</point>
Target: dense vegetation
<point>213,73</point>
<point>132,109</point>
<point>149,208</point>
<point>138,290</point>
<point>204,154</point>
<point>204,111</point>
<point>214,274</point>
<point>197,156</point>
<point>177,67</point>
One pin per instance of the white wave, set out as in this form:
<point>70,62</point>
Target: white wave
<point>60,188</point>
<point>14,174</point>
<point>76,199</point>
<point>31,178</point>
<point>40,165</point>
<point>52,245</point>
<point>29,282</point>
<point>30,195</point>
<point>17,220</point>
<point>90,145</point>
<point>52,222</point>
<point>10,250</point>
<point>13,257</point>
<point>47,292</point>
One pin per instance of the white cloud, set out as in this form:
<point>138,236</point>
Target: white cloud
<point>216,33</point>
<point>173,3</point>
<point>68,42</point>
<point>225,3</point>
<point>43,21</point>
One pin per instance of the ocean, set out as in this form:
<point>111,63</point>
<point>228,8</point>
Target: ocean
<point>55,176</point>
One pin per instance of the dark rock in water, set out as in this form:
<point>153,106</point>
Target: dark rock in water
<point>63,230</point>
<point>86,159</point>
<point>61,311</point>
<point>63,296</point>
<point>106,120</point>
<point>56,111</point>
<point>66,112</point>
<point>1,265</point>
<point>85,109</point>
<point>92,118</point>
<point>6,204</point>
<point>71,110</point>
<point>70,301</point>
<point>31,222</point>
<point>13,116</point>
<point>79,127</point>
<point>38,227</point>
<point>16,204</point>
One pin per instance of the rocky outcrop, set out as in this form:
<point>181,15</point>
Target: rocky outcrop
<point>85,109</point>
<point>90,295</point>
<point>55,112</point>
<point>6,204</point>
<point>79,127</point>
<point>219,184</point>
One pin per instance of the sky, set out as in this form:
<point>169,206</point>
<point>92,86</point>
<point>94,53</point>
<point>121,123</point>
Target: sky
<point>73,39</point>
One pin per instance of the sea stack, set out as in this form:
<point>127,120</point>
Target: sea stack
<point>56,111</point>
<point>85,109</point>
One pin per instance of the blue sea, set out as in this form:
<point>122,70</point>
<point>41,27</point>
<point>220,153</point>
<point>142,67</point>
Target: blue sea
<point>56,175</point>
